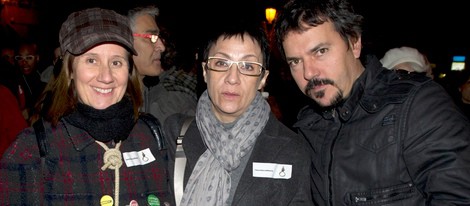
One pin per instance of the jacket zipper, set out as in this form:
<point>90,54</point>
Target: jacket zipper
<point>390,194</point>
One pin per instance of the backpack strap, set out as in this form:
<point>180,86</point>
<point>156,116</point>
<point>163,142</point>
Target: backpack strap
<point>41,140</point>
<point>180,162</point>
<point>155,127</point>
<point>41,137</point>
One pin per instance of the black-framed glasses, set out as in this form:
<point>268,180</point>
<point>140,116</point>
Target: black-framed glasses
<point>27,58</point>
<point>153,37</point>
<point>248,68</point>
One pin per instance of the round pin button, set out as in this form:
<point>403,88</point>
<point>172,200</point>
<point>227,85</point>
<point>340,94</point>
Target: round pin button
<point>106,200</point>
<point>153,200</point>
<point>133,203</point>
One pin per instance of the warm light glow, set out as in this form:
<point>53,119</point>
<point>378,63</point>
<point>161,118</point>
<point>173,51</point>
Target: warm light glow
<point>442,75</point>
<point>270,14</point>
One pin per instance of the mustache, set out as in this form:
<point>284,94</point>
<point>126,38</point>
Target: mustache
<point>317,82</point>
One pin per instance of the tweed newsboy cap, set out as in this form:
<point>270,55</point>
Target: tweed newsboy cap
<point>87,28</point>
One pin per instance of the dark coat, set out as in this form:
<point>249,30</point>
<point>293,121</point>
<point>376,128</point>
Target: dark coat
<point>394,141</point>
<point>276,144</point>
<point>72,172</point>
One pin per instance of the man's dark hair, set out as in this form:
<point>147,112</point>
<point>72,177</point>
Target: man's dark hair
<point>298,14</point>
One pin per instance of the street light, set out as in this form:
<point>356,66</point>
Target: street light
<point>270,14</point>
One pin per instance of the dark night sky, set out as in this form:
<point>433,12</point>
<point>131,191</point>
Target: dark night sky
<point>437,28</point>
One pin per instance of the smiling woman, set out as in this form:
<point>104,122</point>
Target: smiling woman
<point>101,75</point>
<point>92,125</point>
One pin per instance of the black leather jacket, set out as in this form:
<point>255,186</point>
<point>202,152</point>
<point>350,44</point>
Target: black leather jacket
<point>394,141</point>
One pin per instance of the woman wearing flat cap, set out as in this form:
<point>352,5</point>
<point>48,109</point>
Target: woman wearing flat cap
<point>95,149</point>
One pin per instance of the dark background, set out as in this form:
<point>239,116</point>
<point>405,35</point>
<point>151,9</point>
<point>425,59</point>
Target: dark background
<point>439,29</point>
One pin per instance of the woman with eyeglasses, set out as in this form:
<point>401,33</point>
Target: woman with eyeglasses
<point>237,152</point>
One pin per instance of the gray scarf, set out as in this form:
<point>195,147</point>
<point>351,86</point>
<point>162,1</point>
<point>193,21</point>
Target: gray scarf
<point>209,183</point>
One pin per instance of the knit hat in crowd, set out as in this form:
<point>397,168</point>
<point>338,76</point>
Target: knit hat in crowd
<point>87,28</point>
<point>397,56</point>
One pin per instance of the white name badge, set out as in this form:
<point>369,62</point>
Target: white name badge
<point>272,170</point>
<point>136,158</point>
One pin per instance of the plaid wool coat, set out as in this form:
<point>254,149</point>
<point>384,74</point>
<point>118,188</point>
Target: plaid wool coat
<point>72,174</point>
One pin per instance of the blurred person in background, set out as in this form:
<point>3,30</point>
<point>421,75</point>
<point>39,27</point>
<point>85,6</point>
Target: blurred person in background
<point>11,119</point>
<point>407,60</point>
<point>27,60</point>
<point>8,54</point>
<point>463,88</point>
<point>50,72</point>
<point>9,74</point>
<point>166,88</point>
